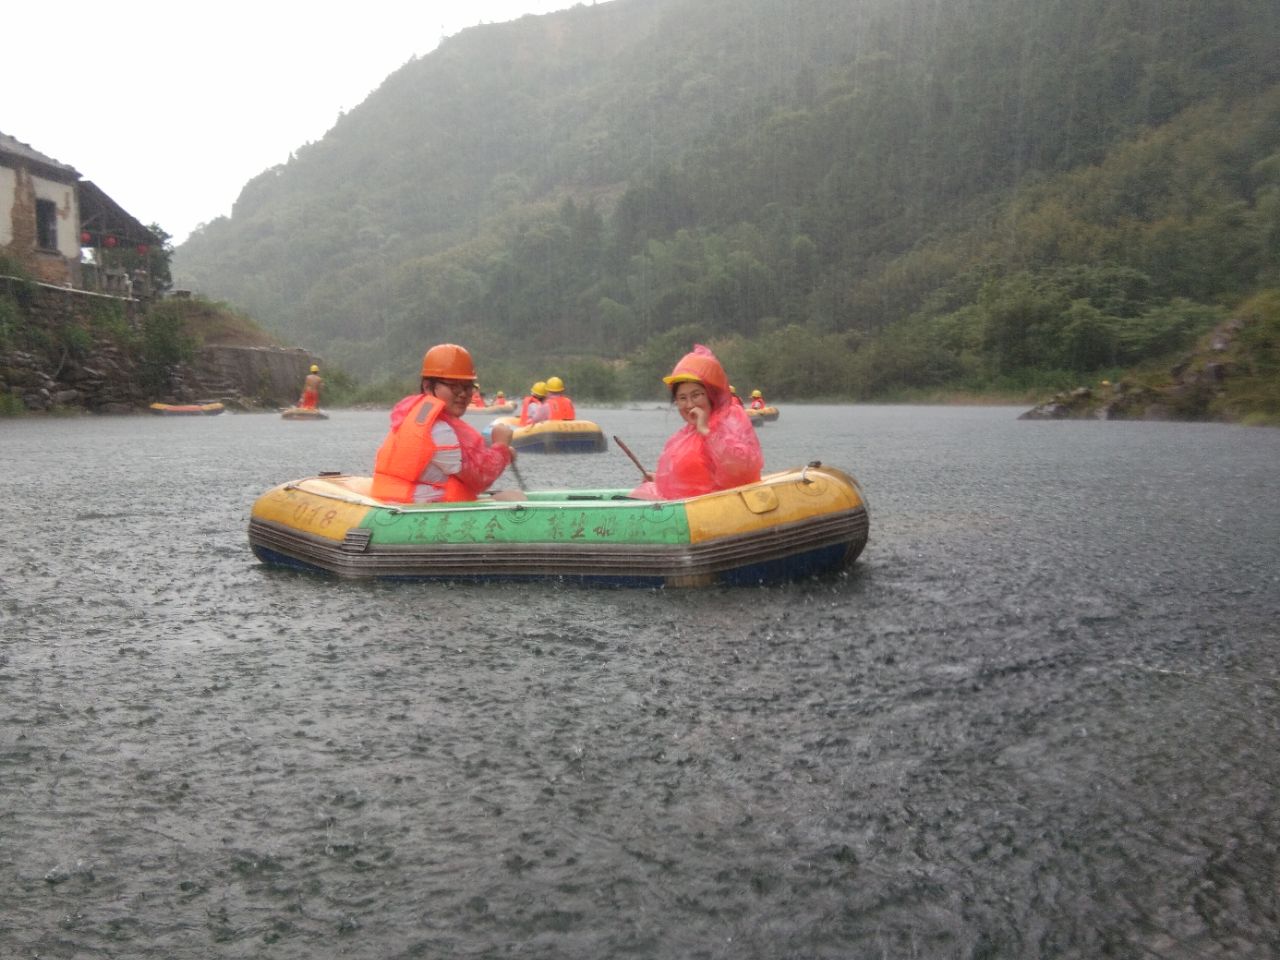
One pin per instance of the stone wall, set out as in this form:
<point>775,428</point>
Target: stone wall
<point>54,356</point>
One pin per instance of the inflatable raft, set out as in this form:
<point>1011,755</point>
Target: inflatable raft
<point>494,408</point>
<point>554,436</point>
<point>186,409</point>
<point>303,413</point>
<point>763,415</point>
<point>792,524</point>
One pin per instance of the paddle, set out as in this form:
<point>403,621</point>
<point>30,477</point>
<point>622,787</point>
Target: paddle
<point>515,472</point>
<point>627,450</point>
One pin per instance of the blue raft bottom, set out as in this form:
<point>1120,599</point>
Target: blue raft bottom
<point>819,562</point>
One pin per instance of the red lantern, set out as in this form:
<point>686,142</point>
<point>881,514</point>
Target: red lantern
<point>143,248</point>
<point>85,238</point>
<point>111,241</point>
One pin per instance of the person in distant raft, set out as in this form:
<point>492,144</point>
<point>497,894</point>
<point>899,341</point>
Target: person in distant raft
<point>311,389</point>
<point>757,400</point>
<point>533,409</point>
<point>733,395</point>
<point>559,406</point>
<point>717,448</point>
<point>477,397</point>
<point>431,453</point>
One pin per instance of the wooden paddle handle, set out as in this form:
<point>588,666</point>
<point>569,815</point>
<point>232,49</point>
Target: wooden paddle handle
<point>627,450</point>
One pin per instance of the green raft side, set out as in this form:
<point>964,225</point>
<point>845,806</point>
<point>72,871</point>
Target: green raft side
<point>597,517</point>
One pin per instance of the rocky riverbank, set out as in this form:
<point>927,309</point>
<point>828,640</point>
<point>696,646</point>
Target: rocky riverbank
<point>1229,378</point>
<point>65,350</point>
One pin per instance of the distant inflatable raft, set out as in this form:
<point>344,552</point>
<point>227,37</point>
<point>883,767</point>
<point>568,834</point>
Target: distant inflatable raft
<point>304,413</point>
<point>493,408</point>
<point>186,409</point>
<point>554,436</point>
<point>790,525</point>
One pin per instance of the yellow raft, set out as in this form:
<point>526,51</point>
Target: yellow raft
<point>792,524</point>
<point>303,413</point>
<point>186,409</point>
<point>554,436</point>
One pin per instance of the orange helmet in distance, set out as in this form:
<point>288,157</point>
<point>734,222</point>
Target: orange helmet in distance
<point>448,361</point>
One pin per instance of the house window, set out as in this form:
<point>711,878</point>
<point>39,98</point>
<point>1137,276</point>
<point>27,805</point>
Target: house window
<point>47,224</point>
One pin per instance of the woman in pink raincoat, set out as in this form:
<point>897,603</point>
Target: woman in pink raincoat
<point>717,448</point>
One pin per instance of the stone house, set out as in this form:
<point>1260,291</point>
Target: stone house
<point>49,217</point>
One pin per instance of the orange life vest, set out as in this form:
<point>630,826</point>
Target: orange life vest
<point>561,407</point>
<point>528,402</point>
<point>407,451</point>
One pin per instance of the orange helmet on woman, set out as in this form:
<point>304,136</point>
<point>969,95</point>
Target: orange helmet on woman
<point>699,364</point>
<point>448,361</point>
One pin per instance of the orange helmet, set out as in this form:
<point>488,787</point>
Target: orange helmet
<point>448,361</point>
<point>699,364</point>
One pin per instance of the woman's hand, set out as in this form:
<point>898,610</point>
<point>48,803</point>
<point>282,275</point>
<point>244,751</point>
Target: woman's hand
<point>501,434</point>
<point>698,416</point>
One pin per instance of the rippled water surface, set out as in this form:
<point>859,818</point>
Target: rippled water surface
<point>1038,718</point>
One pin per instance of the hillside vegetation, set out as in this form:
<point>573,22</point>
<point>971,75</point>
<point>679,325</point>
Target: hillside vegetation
<point>848,198</point>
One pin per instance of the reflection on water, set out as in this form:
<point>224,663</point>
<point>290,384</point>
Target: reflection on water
<point>1037,719</point>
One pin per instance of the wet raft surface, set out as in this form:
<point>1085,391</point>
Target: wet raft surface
<point>1036,719</point>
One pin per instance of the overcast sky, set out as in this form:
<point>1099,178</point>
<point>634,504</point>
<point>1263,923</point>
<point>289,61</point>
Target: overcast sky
<point>172,106</point>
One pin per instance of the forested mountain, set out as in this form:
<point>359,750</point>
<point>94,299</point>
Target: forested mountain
<point>848,197</point>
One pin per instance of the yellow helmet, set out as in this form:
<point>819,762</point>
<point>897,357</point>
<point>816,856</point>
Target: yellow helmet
<point>539,389</point>
<point>314,368</point>
<point>756,395</point>
<point>555,384</point>
<point>733,389</point>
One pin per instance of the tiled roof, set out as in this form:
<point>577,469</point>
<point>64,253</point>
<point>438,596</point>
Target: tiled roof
<point>16,148</point>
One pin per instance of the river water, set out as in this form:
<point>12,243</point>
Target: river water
<point>1037,718</point>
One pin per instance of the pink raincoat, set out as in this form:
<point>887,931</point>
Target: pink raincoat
<point>692,464</point>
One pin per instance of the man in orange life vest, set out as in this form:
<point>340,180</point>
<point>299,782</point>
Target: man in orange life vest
<point>311,389</point>
<point>757,400</point>
<point>733,396</point>
<point>533,409</point>
<point>431,454</point>
<point>559,407</point>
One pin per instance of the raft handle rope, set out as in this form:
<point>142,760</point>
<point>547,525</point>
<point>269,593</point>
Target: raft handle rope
<point>804,473</point>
